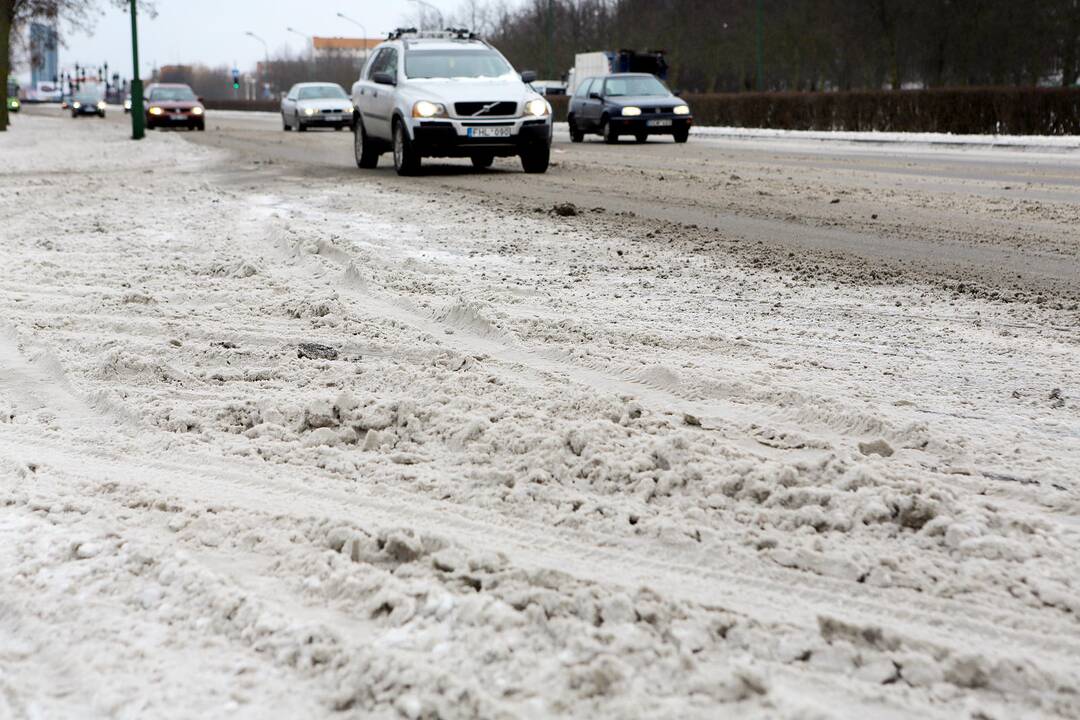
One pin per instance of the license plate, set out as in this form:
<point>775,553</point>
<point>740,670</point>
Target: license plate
<point>489,132</point>
<point>659,123</point>
<point>177,117</point>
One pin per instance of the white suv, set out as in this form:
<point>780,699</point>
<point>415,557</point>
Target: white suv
<point>447,94</point>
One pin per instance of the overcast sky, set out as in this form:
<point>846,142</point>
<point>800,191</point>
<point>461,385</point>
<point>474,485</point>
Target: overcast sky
<point>212,31</point>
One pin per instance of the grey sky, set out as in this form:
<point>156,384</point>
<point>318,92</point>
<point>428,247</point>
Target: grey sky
<point>212,31</point>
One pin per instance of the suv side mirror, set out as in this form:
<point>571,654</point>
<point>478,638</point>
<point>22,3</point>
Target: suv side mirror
<point>200,100</point>
<point>528,76</point>
<point>383,78</point>
<point>595,96</point>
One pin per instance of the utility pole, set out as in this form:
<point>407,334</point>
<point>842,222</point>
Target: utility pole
<point>549,27</point>
<point>138,119</point>
<point>760,45</point>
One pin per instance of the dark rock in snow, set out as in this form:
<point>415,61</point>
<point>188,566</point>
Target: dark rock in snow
<point>315,351</point>
<point>566,210</point>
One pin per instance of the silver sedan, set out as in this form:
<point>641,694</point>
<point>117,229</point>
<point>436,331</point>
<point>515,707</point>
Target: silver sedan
<point>316,105</point>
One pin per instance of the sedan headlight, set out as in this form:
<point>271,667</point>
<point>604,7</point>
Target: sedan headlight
<point>196,111</point>
<point>101,105</point>
<point>425,109</point>
<point>350,109</point>
<point>309,111</point>
<point>537,108</point>
<point>682,109</point>
<point>631,111</point>
<point>156,111</point>
<point>76,105</point>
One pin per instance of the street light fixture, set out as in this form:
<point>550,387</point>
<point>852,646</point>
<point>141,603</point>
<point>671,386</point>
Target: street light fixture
<point>438,12</point>
<point>266,49</point>
<point>363,29</point>
<point>308,38</point>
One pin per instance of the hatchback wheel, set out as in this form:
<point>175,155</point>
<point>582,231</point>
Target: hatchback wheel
<point>576,135</point>
<point>285,123</point>
<point>483,160</point>
<point>608,131</point>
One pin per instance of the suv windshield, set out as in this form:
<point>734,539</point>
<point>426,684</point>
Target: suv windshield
<point>634,86</point>
<point>172,94</point>
<point>455,64</point>
<point>321,92</point>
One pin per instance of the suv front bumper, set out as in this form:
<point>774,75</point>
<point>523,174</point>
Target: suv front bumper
<point>449,138</point>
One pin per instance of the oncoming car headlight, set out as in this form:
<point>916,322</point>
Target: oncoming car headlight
<point>196,111</point>
<point>682,110</point>
<point>76,105</point>
<point>101,105</point>
<point>156,111</point>
<point>309,111</point>
<point>631,111</point>
<point>537,108</point>
<point>425,109</point>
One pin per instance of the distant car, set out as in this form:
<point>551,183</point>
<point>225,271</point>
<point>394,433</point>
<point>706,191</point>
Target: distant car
<point>316,105</point>
<point>87,103</point>
<point>13,104</point>
<point>127,103</point>
<point>634,104</point>
<point>174,105</point>
<point>447,94</point>
<point>65,101</point>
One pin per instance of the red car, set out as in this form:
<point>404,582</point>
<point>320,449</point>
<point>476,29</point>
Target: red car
<point>169,105</point>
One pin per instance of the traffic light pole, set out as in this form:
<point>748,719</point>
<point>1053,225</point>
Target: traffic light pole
<point>138,116</point>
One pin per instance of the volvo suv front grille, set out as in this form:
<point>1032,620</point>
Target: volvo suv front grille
<point>485,109</point>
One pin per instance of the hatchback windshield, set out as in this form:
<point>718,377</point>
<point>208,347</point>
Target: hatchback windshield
<point>89,97</point>
<point>455,64</point>
<point>172,94</point>
<point>321,92</point>
<point>634,86</point>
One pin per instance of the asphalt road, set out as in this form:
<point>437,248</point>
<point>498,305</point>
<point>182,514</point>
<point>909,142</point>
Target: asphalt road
<point>996,222</point>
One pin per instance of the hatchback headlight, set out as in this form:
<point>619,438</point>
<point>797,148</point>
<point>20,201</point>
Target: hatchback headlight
<point>631,111</point>
<point>76,105</point>
<point>156,111</point>
<point>537,108</point>
<point>682,109</point>
<point>196,111</point>
<point>425,109</point>
<point>101,105</point>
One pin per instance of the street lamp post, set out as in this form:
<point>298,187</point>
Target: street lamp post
<point>310,42</point>
<point>363,29</point>
<point>438,12</point>
<point>266,50</point>
<point>138,119</point>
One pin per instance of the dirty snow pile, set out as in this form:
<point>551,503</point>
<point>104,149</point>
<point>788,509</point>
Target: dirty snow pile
<point>281,447</point>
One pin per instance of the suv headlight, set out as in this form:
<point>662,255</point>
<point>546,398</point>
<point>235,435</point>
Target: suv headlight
<point>682,109</point>
<point>425,109</point>
<point>631,111</point>
<point>537,108</point>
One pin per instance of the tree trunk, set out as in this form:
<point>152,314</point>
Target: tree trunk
<point>7,12</point>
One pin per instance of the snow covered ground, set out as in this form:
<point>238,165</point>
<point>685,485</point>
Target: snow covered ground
<point>274,447</point>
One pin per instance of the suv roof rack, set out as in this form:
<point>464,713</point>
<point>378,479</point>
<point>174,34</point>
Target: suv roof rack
<point>447,34</point>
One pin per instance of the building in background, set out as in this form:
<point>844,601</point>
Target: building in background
<point>44,54</point>
<point>337,47</point>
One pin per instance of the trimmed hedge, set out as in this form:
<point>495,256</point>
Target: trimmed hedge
<point>248,105</point>
<point>963,111</point>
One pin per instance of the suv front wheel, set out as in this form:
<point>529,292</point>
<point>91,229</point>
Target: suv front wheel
<point>406,158</point>
<point>366,155</point>
<point>536,160</point>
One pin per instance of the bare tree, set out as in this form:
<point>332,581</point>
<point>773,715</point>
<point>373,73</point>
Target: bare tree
<point>17,14</point>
